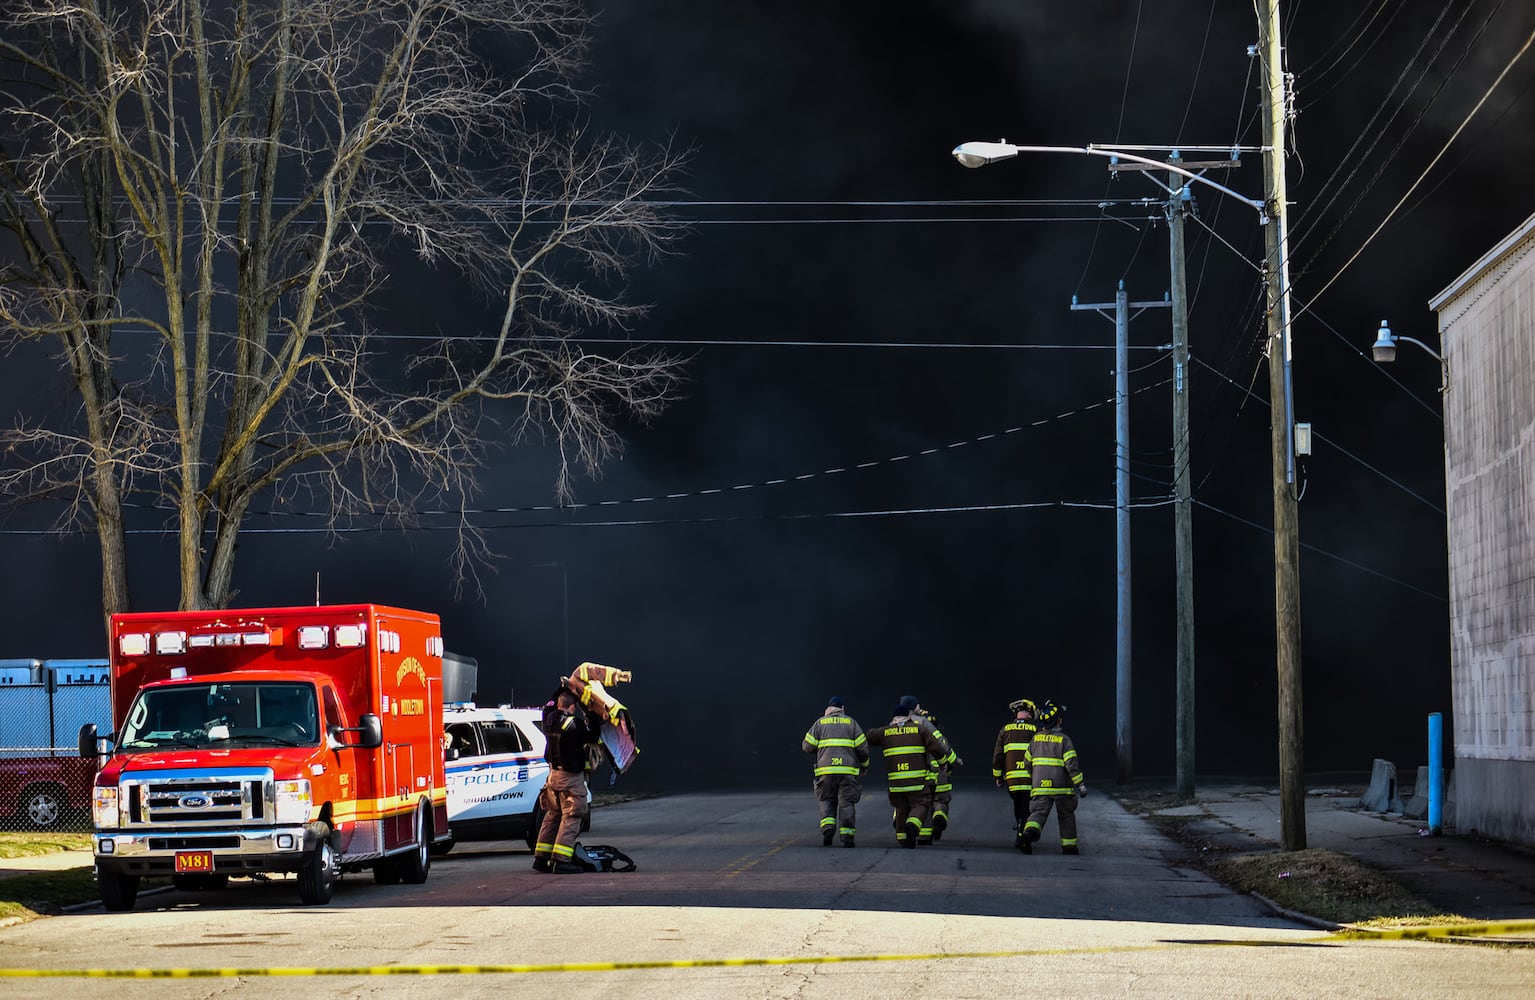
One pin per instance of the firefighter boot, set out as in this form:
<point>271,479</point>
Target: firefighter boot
<point>1022,844</point>
<point>847,841</point>
<point>1070,850</point>
<point>912,832</point>
<point>543,865</point>
<point>826,836</point>
<point>940,823</point>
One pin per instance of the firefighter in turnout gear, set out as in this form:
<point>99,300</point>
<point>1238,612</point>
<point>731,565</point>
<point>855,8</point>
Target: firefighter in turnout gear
<point>940,788</point>
<point>908,742</point>
<point>569,732</point>
<point>1055,779</point>
<point>841,757</point>
<point>1010,767</point>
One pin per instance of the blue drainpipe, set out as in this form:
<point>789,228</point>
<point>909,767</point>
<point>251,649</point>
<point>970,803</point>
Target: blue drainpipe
<point>1435,772</point>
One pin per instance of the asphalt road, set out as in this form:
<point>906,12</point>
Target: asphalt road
<point>743,876</point>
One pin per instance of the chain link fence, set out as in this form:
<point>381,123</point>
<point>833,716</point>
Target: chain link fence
<point>45,785</point>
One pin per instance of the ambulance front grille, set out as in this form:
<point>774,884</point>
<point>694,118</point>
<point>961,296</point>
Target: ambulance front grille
<point>196,798</point>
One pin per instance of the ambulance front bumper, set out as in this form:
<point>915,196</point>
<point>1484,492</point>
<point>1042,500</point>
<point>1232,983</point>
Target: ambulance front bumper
<point>233,852</point>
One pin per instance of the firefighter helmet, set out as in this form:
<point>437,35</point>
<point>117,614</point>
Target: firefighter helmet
<point>1050,714</point>
<point>1023,705</point>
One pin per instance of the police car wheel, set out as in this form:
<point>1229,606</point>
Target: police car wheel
<point>535,820</point>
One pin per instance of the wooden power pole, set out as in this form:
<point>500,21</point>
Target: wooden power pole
<point>1183,520</point>
<point>1287,643</point>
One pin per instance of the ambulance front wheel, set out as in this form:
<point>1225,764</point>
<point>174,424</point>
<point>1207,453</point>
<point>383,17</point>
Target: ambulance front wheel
<point>317,873</point>
<point>118,892</point>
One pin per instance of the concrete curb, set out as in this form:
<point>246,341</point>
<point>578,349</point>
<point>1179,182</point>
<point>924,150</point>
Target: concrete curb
<point>1297,916</point>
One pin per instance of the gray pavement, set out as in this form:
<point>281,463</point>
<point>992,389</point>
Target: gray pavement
<point>1459,873</point>
<point>726,878</point>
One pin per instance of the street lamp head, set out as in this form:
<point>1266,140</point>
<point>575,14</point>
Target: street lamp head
<point>1384,348</point>
<point>978,154</point>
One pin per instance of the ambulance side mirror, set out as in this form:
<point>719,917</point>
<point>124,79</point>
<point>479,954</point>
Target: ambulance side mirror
<point>87,742</point>
<point>370,734</point>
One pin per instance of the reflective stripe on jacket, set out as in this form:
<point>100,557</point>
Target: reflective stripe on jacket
<point>940,766</point>
<point>907,744</point>
<point>839,745</point>
<point>1009,758</point>
<point>1052,763</point>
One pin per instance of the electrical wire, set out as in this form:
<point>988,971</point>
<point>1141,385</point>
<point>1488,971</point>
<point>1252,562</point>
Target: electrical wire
<point>1348,454</point>
<point>1268,529</point>
<point>1437,157</point>
<point>1356,163</point>
<point>1199,64</point>
<point>1395,7</point>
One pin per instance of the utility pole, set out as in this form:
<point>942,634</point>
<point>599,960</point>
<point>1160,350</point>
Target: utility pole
<point>1121,317</point>
<point>1183,521</point>
<point>1177,207</point>
<point>1287,647</point>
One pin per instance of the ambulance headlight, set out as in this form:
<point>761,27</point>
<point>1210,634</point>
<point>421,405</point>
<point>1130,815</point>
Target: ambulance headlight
<point>104,812</point>
<point>293,801</point>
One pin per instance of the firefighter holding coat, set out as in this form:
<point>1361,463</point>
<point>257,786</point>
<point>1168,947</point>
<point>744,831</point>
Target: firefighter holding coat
<point>1055,779</point>
<point>907,743</point>
<point>1010,766</point>
<point>569,732</point>
<point>841,757</point>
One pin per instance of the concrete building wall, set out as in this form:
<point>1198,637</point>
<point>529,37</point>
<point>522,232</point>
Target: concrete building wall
<point>1487,329</point>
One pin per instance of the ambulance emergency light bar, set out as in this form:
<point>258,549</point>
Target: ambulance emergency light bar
<point>174,643</point>
<point>351,636</point>
<point>323,636</point>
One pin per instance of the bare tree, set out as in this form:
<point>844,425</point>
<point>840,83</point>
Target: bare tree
<point>207,198</point>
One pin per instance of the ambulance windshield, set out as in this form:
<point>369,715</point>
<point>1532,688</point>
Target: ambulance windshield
<point>201,714</point>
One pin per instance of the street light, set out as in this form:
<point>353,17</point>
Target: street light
<point>1272,216</point>
<point>1384,351</point>
<point>979,154</point>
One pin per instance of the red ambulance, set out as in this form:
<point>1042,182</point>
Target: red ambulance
<point>304,740</point>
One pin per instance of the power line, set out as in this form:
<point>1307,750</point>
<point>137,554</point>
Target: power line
<point>1431,164</point>
<point>1268,529</point>
<point>1340,449</point>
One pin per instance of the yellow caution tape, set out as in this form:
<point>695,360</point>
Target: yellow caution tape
<point>1437,931</point>
<point>445,970</point>
<point>1357,934</point>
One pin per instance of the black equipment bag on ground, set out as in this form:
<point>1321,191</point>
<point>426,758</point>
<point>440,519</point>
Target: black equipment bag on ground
<point>601,858</point>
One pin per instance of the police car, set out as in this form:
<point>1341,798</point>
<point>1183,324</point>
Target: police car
<point>496,770</point>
